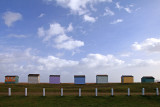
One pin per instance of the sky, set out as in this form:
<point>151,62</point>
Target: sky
<point>80,37</point>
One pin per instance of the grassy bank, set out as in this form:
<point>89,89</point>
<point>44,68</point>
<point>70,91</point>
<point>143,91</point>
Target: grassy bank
<point>87,89</point>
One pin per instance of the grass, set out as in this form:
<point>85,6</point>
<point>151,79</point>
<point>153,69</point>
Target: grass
<point>75,101</point>
<point>71,99</point>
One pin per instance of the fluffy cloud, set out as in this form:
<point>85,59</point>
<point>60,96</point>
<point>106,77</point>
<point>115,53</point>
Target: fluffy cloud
<point>21,61</point>
<point>88,18</point>
<point>70,44</point>
<point>11,17</point>
<point>117,21</point>
<point>57,33</point>
<point>78,6</point>
<point>65,42</point>
<point>52,62</point>
<point>55,29</point>
<point>17,58</point>
<point>94,60</point>
<point>108,12</point>
<point>149,45</point>
<point>143,63</point>
<point>61,38</point>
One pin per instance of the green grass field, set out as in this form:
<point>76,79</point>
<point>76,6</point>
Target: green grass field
<point>75,101</point>
<point>88,98</point>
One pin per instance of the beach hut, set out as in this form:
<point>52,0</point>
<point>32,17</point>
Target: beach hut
<point>79,79</point>
<point>101,79</point>
<point>54,79</point>
<point>127,79</point>
<point>33,78</point>
<point>147,79</point>
<point>9,79</point>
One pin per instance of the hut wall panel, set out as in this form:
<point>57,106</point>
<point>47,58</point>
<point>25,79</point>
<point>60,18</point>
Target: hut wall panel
<point>79,80</point>
<point>54,80</point>
<point>127,79</point>
<point>33,79</point>
<point>101,79</point>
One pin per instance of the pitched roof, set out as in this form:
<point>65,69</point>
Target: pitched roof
<point>101,75</point>
<point>79,75</point>
<point>127,76</point>
<point>54,75</point>
<point>34,75</point>
<point>11,76</point>
<point>148,77</point>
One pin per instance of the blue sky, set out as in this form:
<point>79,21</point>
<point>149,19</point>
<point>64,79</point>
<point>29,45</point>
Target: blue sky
<point>88,37</point>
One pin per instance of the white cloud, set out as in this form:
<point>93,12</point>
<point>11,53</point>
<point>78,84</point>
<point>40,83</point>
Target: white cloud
<point>57,33</point>
<point>108,12</point>
<point>61,38</point>
<point>65,42</point>
<point>79,6</point>
<point>117,21</point>
<point>94,60</point>
<point>127,10</point>
<point>88,18</point>
<point>149,45</point>
<point>11,17</point>
<point>55,29</point>
<point>143,63</point>
<point>70,28</point>
<point>118,5</point>
<point>41,15</point>
<point>17,36</point>
<point>24,62</point>
<point>52,62</point>
<point>15,57</point>
<point>70,44</point>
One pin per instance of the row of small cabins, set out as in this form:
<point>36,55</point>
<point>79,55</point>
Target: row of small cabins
<point>78,79</point>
